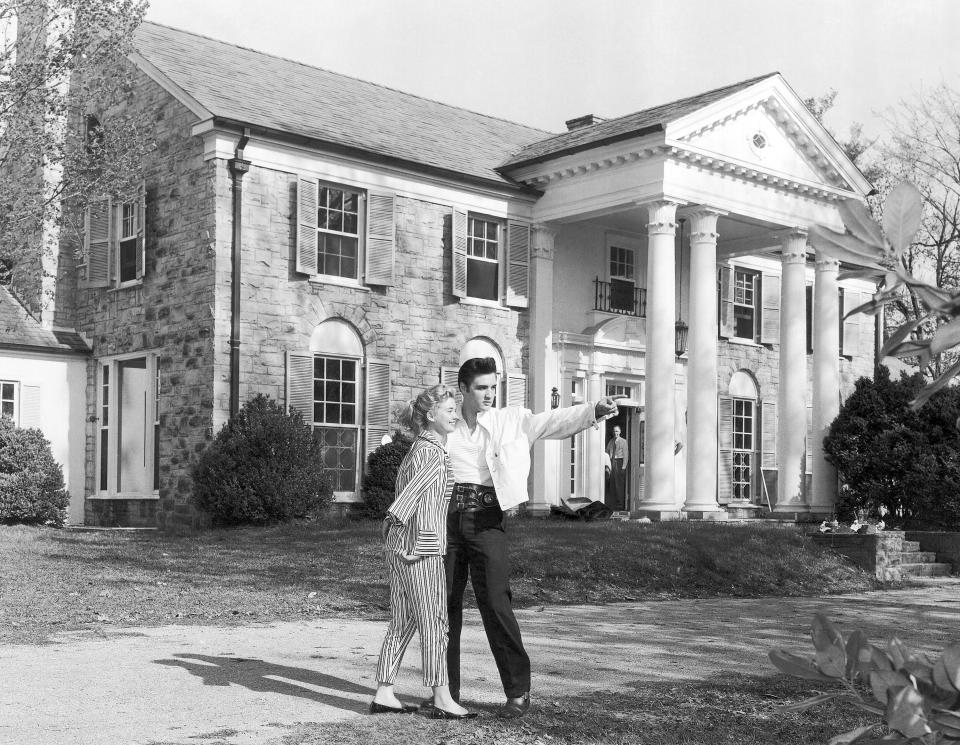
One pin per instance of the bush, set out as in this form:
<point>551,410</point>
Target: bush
<point>264,466</point>
<point>31,481</point>
<point>380,479</point>
<point>907,462</point>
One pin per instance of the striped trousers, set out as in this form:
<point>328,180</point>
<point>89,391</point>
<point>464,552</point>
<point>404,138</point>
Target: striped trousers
<point>418,602</point>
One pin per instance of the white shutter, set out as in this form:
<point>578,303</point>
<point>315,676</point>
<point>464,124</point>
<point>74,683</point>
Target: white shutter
<point>381,232</point>
<point>725,449</point>
<point>518,264</point>
<point>98,232</point>
<point>458,243</point>
<point>726,302</point>
<point>851,326</point>
<point>808,462</point>
<point>770,309</point>
<point>307,196</point>
<point>768,434</point>
<point>517,390</point>
<point>141,218</point>
<point>300,384</point>
<point>448,377</point>
<point>30,417</point>
<point>377,403</point>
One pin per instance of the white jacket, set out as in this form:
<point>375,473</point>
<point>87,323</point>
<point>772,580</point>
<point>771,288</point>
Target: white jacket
<point>511,432</point>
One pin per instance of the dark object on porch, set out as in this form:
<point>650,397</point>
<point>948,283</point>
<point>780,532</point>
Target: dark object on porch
<point>580,508</point>
<point>263,467</point>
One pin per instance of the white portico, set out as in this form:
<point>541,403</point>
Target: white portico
<point>693,212</point>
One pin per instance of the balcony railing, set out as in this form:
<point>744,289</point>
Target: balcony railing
<point>620,296</point>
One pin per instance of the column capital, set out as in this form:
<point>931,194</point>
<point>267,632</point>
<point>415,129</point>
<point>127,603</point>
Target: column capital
<point>794,246</point>
<point>542,240</point>
<point>703,223</point>
<point>662,216</point>
<point>827,263</point>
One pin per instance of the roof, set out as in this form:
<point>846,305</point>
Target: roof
<point>245,86</point>
<point>621,128</point>
<point>18,329</point>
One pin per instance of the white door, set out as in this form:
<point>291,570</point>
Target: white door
<point>133,474</point>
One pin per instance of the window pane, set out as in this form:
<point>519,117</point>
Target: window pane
<point>332,414</point>
<point>348,393</point>
<point>6,391</point>
<point>482,281</point>
<point>350,224</point>
<point>333,391</point>
<point>128,260</point>
<point>348,414</point>
<point>333,369</point>
<point>335,197</point>
<point>339,457</point>
<point>335,221</point>
<point>104,439</point>
<point>351,202</point>
<point>6,409</point>
<point>349,370</point>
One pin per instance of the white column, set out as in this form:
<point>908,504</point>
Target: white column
<point>792,398</point>
<point>826,379</point>
<point>594,443</point>
<point>660,488</point>
<point>544,374</point>
<point>702,365</point>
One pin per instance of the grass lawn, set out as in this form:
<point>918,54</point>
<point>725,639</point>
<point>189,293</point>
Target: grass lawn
<point>722,709</point>
<point>55,580</point>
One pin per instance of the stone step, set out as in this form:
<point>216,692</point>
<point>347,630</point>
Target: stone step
<point>909,546</point>
<point>918,557</point>
<point>925,570</point>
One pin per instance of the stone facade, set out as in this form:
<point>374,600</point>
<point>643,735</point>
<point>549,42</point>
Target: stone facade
<point>878,553</point>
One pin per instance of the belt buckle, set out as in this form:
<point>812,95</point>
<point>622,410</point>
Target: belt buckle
<point>487,498</point>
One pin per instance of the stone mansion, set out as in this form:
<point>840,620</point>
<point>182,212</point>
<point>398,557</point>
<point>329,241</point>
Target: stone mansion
<point>339,245</point>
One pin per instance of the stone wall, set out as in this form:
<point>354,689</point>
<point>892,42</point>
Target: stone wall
<point>170,314</point>
<point>878,553</point>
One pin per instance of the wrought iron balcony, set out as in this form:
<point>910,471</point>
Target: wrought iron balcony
<point>620,296</point>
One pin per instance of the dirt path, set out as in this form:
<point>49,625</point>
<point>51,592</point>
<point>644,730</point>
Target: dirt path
<point>183,684</point>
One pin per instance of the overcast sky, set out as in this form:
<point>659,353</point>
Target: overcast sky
<point>541,62</point>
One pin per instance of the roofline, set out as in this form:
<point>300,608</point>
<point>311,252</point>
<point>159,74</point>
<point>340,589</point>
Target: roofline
<point>376,157</point>
<point>64,351</point>
<point>570,150</point>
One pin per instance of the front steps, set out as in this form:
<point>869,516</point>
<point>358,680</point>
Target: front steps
<point>917,563</point>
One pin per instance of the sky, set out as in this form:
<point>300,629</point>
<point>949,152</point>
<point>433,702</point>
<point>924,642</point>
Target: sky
<point>541,62</point>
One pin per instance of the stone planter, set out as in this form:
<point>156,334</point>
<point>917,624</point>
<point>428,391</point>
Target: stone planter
<point>878,552</point>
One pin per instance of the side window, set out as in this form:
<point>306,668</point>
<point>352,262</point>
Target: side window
<point>127,242</point>
<point>8,400</point>
<point>114,240</point>
<point>745,295</point>
<point>484,240</point>
<point>338,227</point>
<point>622,279</point>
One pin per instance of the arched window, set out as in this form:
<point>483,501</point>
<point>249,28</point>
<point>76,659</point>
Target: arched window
<point>739,437</point>
<point>338,417</point>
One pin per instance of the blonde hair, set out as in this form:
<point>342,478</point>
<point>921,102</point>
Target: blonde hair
<point>413,416</point>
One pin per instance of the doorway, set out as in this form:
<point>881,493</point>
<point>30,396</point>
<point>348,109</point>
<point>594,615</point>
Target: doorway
<point>134,469</point>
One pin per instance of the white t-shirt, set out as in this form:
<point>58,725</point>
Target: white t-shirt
<point>467,457</point>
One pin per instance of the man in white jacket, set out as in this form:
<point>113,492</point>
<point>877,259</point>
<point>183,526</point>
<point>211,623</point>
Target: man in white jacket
<point>490,457</point>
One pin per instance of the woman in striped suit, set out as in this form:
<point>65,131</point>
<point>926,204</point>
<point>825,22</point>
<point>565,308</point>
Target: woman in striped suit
<point>416,541</point>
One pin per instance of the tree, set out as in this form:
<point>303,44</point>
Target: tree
<point>924,149</point>
<point>65,135</point>
<point>854,146</point>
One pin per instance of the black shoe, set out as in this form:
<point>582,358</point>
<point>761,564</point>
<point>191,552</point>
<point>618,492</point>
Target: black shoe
<point>514,710</point>
<point>435,712</point>
<point>376,708</point>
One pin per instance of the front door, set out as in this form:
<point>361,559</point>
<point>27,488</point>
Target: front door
<point>134,471</point>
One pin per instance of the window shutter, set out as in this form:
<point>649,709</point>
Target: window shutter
<point>768,434</point>
<point>770,309</point>
<point>141,217</point>
<point>518,264</point>
<point>381,232</point>
<point>808,463</point>
<point>30,407</point>
<point>726,302</point>
<point>459,245</point>
<point>307,196</point>
<point>448,377</point>
<point>300,384</point>
<point>517,390</point>
<point>377,404</point>
<point>725,449</point>
<point>850,342</point>
<point>99,234</point>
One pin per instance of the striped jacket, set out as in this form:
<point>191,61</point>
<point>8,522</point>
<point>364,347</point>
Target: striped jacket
<point>419,512</point>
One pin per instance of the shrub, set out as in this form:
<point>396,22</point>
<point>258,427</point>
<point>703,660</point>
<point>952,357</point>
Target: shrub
<point>264,466</point>
<point>907,462</point>
<point>31,481</point>
<point>379,481</point>
<point>917,699</point>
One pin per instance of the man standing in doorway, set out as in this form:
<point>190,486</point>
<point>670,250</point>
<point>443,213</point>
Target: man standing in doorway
<point>490,458</point>
<point>617,450</point>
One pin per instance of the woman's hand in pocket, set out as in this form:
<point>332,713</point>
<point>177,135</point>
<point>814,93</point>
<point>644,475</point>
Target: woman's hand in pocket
<point>409,558</point>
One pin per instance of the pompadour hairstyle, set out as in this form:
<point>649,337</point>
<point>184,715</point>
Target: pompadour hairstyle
<point>473,368</point>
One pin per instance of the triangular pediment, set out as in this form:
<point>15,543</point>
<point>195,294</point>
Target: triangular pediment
<point>768,130</point>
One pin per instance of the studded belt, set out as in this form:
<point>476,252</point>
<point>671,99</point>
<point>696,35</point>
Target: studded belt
<point>472,498</point>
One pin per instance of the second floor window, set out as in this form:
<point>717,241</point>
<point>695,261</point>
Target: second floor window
<point>745,295</point>
<point>338,226</point>
<point>129,231</point>
<point>483,258</point>
<point>114,241</point>
<point>622,281</point>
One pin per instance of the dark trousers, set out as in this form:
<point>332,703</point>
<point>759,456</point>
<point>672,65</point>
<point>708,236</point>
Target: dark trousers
<point>617,493</point>
<point>477,546</point>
